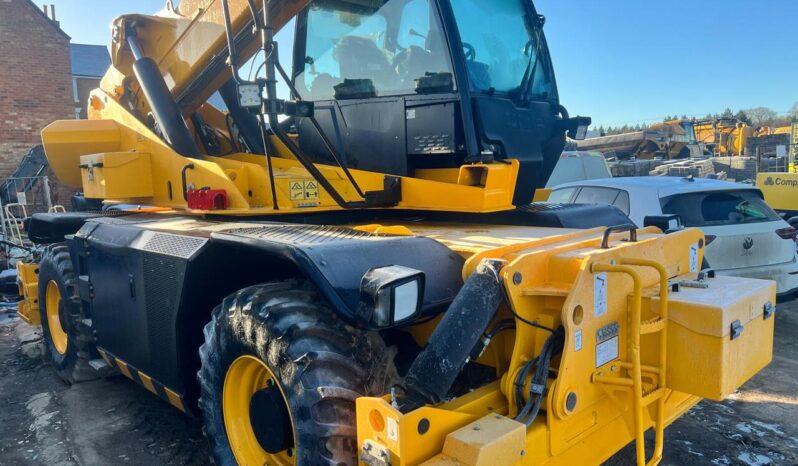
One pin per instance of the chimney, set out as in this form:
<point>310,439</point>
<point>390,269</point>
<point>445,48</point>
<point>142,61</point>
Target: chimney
<point>49,12</point>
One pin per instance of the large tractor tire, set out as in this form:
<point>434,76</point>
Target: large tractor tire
<point>59,304</point>
<point>280,375</point>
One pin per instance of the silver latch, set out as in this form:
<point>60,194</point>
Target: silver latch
<point>768,310</point>
<point>736,329</point>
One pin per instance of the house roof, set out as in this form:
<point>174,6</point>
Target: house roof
<point>52,23</point>
<point>89,60</point>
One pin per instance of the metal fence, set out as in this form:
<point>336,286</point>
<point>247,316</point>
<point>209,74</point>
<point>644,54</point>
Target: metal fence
<point>775,158</point>
<point>21,197</point>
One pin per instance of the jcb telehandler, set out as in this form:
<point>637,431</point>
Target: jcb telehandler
<point>358,273</point>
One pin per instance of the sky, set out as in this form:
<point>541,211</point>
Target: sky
<point>618,61</point>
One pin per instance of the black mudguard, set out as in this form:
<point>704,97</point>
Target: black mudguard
<point>336,258</point>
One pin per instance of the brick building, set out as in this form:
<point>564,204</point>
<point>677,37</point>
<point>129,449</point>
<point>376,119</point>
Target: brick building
<point>35,78</point>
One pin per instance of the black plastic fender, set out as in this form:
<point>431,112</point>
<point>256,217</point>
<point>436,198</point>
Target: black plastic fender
<point>336,258</point>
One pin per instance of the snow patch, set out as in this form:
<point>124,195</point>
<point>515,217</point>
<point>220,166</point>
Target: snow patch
<point>754,459</point>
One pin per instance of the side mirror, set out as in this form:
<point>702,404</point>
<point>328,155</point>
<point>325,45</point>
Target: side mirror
<point>577,127</point>
<point>666,223</point>
<point>391,295</point>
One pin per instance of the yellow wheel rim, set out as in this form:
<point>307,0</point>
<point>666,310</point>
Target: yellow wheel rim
<point>53,302</point>
<point>246,376</point>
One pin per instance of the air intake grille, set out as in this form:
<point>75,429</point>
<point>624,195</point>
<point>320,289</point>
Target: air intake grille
<point>161,282</point>
<point>173,245</point>
<point>544,207</point>
<point>302,234</point>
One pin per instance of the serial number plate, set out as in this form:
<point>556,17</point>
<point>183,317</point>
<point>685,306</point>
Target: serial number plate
<point>607,343</point>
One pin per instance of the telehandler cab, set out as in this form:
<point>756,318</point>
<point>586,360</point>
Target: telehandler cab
<point>358,273</point>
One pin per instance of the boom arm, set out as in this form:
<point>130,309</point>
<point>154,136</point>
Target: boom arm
<point>189,45</point>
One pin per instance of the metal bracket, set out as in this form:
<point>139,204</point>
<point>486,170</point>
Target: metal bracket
<point>768,311</point>
<point>736,329</point>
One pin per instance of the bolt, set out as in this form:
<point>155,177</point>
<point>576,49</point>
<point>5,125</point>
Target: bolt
<point>523,452</point>
<point>517,277</point>
<point>477,428</point>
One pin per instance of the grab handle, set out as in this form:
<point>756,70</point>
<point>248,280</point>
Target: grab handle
<point>605,240</point>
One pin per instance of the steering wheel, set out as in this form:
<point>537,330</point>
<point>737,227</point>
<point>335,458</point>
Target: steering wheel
<point>470,51</point>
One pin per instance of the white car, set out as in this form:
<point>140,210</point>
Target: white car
<point>744,236</point>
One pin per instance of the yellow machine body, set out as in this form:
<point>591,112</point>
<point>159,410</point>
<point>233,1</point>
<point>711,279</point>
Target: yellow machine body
<point>28,280</point>
<point>630,364</point>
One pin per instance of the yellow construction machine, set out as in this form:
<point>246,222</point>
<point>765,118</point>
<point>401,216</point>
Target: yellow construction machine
<point>358,273</point>
<point>724,137</point>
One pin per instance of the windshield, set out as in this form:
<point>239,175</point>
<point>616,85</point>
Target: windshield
<point>392,47</point>
<point>719,208</point>
<point>502,46</point>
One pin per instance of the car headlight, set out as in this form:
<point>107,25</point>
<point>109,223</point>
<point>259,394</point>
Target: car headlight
<point>391,295</point>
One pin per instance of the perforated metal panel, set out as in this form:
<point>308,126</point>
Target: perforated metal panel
<point>173,245</point>
<point>161,284</point>
<point>544,206</point>
<point>302,234</point>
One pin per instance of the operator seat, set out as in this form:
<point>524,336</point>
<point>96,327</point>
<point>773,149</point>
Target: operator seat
<point>413,63</point>
<point>359,58</point>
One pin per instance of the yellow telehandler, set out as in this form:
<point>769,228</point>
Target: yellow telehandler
<point>358,274</point>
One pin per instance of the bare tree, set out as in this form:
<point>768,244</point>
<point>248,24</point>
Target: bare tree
<point>761,115</point>
<point>793,113</point>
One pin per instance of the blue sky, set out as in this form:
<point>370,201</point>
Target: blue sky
<point>620,61</point>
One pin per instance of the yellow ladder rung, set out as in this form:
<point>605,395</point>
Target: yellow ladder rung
<point>653,396</point>
<point>652,370</point>
<point>652,326</point>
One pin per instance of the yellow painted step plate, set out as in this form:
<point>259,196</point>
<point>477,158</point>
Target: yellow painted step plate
<point>493,440</point>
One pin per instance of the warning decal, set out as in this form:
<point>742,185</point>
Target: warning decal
<point>600,294</point>
<point>311,190</point>
<point>303,190</point>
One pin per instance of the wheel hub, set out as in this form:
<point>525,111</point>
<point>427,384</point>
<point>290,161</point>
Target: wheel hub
<point>270,420</point>
<point>256,416</point>
<point>55,318</point>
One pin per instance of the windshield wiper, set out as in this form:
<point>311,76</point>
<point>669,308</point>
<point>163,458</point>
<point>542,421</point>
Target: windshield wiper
<point>531,68</point>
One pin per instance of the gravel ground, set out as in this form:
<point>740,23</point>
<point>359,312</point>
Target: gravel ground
<point>114,421</point>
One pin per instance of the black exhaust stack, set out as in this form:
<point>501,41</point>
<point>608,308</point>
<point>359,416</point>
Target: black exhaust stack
<point>163,106</point>
<point>435,369</point>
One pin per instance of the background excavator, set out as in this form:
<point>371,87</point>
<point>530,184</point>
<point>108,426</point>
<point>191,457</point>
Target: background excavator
<point>358,273</point>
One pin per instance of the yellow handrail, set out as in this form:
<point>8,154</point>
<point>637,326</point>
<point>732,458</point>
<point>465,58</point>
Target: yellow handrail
<point>636,384</point>
<point>659,425</point>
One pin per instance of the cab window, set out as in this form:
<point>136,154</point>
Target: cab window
<point>373,49</point>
